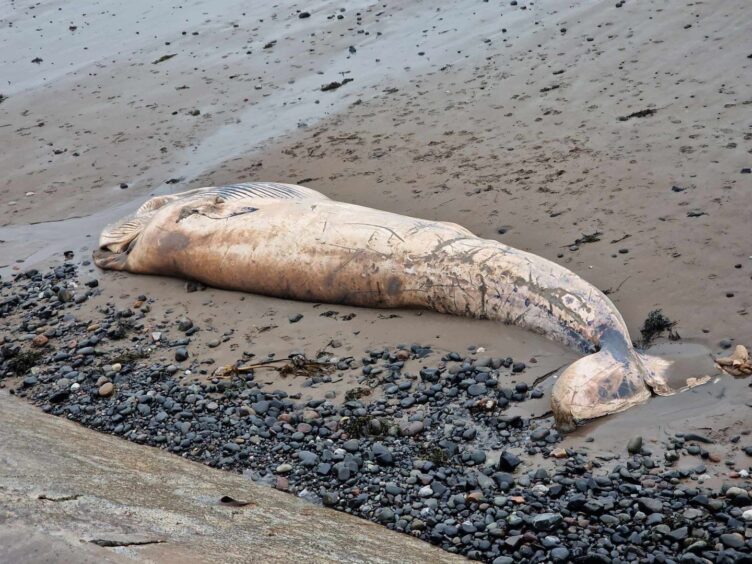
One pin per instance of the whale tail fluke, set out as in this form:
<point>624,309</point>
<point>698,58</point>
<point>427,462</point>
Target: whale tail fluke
<point>603,383</point>
<point>599,384</point>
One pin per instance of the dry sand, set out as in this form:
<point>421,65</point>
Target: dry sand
<point>497,117</point>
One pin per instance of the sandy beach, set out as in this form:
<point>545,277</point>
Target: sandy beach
<point>535,124</point>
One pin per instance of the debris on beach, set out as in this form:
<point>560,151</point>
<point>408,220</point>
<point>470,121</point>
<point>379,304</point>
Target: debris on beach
<point>738,364</point>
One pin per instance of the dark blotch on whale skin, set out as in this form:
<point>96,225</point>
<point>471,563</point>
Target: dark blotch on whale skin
<point>173,242</point>
<point>394,286</point>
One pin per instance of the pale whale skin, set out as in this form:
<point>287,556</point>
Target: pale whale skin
<point>293,242</point>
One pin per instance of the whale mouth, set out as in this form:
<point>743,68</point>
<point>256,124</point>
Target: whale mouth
<point>120,236</point>
<point>110,260</point>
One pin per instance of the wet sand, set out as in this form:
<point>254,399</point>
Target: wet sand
<point>447,117</point>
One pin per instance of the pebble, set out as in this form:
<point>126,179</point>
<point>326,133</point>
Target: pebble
<point>546,521</point>
<point>634,446</point>
<point>733,540</point>
<point>650,504</point>
<point>508,462</point>
<point>106,389</point>
<point>39,341</point>
<point>381,454</point>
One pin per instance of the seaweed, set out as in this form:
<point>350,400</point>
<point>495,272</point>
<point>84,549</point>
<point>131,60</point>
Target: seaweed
<point>163,58</point>
<point>296,365</point>
<point>586,238</point>
<point>435,454</point>
<point>363,426</point>
<point>126,357</point>
<point>640,114</point>
<point>24,361</point>
<point>356,393</point>
<point>655,325</point>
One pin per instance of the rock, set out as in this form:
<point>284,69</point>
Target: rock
<point>412,428</point>
<point>478,456</point>
<point>732,540</point>
<point>539,489</point>
<point>634,446</point>
<point>330,499</point>
<point>697,437</point>
<point>106,389</point>
<point>181,354</point>
<point>384,515</point>
<point>650,504</point>
<point>425,491</point>
<point>282,483</point>
<point>735,491</point>
<point>381,454</point>
<point>59,396</point>
<point>283,468</point>
<point>546,521</point>
<point>508,462</point>
<point>295,318</point>
<point>417,525</point>
<point>260,407</point>
<point>65,295</point>
<point>351,445</point>
<point>308,459</point>
<point>231,447</point>
<point>39,341</point>
<point>185,324</point>
<point>679,534</point>
<point>560,554</point>
<point>539,434</point>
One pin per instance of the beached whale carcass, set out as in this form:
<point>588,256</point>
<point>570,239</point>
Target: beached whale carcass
<point>293,242</point>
